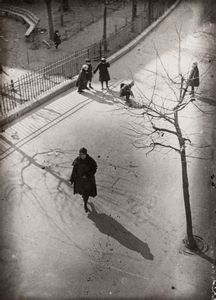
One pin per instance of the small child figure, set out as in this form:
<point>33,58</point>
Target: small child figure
<point>57,39</point>
<point>125,90</point>
<point>89,74</point>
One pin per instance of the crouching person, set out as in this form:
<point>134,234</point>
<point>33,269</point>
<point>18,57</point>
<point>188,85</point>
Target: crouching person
<point>83,176</point>
<point>125,91</point>
<point>81,82</point>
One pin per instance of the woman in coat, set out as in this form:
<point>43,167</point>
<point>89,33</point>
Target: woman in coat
<point>193,79</point>
<point>82,79</point>
<point>83,176</point>
<point>103,72</point>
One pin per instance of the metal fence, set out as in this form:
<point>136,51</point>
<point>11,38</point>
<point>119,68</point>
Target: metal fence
<point>35,83</point>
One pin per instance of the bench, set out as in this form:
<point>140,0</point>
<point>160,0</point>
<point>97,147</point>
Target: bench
<point>24,14</point>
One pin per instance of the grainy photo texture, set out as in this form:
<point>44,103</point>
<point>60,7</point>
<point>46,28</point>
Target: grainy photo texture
<point>107,149</point>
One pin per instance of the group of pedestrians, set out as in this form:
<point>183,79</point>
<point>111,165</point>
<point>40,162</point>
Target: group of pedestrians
<point>84,166</point>
<point>84,80</point>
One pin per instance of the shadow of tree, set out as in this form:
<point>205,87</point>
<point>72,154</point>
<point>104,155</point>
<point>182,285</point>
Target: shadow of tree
<point>107,225</point>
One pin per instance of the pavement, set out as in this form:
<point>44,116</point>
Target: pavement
<point>130,245</point>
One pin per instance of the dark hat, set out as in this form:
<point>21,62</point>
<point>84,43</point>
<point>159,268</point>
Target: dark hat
<point>103,59</point>
<point>83,151</point>
<point>88,60</point>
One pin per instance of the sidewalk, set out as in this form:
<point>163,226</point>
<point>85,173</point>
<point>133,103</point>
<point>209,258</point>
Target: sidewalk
<point>130,248</point>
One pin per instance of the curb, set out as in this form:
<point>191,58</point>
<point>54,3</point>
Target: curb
<point>67,85</point>
<point>141,36</point>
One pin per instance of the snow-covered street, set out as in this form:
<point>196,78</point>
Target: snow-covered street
<point>129,245</point>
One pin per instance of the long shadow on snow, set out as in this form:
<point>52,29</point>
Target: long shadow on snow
<point>107,225</point>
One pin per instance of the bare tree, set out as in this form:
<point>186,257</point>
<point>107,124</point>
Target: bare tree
<point>50,18</point>
<point>160,119</point>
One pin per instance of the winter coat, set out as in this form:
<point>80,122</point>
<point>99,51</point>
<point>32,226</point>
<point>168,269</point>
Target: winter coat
<point>125,90</point>
<point>84,167</point>
<point>89,72</point>
<point>193,79</point>
<point>57,38</point>
<point>82,80</point>
<point>103,71</point>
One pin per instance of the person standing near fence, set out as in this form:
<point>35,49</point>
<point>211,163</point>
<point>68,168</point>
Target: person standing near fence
<point>81,82</point>
<point>57,39</point>
<point>83,176</point>
<point>193,79</point>
<point>103,72</point>
<point>89,74</point>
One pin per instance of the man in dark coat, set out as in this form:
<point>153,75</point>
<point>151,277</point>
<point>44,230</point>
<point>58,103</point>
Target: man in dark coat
<point>193,79</point>
<point>103,72</point>
<point>89,74</point>
<point>125,91</point>
<point>83,176</point>
<point>57,39</point>
<point>81,82</point>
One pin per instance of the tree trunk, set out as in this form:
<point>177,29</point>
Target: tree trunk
<point>185,185</point>
<point>61,14</point>
<point>66,6</point>
<point>50,18</point>
<point>191,242</point>
<point>134,10</point>
<point>149,11</point>
<point>105,28</point>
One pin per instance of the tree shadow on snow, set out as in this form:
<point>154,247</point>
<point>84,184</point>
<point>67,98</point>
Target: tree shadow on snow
<point>107,225</point>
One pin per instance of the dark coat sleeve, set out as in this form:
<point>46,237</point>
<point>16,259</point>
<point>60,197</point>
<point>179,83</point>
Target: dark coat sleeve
<point>97,67</point>
<point>194,77</point>
<point>74,171</point>
<point>93,167</point>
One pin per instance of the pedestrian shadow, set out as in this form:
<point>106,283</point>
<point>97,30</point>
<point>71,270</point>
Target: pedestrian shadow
<point>111,98</point>
<point>107,225</point>
<point>100,97</point>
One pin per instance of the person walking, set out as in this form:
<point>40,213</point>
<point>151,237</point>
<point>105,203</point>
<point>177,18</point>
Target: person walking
<point>57,39</point>
<point>83,176</point>
<point>103,72</point>
<point>89,73</point>
<point>125,91</point>
<point>81,82</point>
<point>193,79</point>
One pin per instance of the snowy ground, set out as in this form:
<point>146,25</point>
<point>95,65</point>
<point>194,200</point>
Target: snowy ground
<point>128,246</point>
